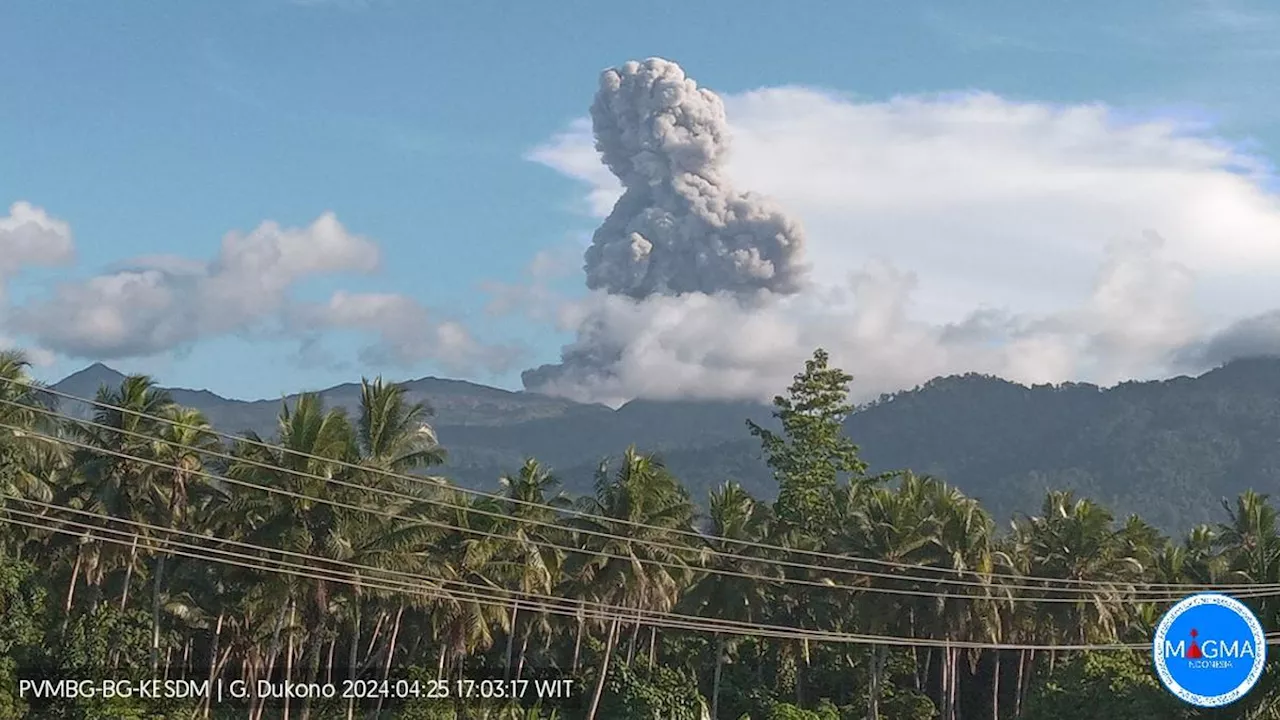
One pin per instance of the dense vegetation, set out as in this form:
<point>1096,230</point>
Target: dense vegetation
<point>143,543</point>
<point>1169,449</point>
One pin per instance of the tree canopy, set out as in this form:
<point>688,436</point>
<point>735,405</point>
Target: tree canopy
<point>144,542</point>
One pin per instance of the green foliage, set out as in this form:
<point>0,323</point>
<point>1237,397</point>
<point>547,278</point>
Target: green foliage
<point>628,546</point>
<point>103,642</point>
<point>812,454</point>
<point>1116,686</point>
<point>644,694</point>
<point>786,711</point>
<point>744,695</point>
<point>22,607</point>
<point>22,623</point>
<point>425,710</point>
<point>899,703</point>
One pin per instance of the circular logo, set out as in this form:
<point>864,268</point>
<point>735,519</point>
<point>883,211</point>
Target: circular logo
<point>1209,650</point>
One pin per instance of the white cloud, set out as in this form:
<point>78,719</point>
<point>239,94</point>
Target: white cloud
<point>573,153</point>
<point>407,333</point>
<point>30,236</point>
<point>165,303</point>
<point>160,304</point>
<point>985,235</point>
<point>533,296</point>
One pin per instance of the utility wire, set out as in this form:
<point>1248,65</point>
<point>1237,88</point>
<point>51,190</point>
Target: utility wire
<point>707,538</point>
<point>562,606</point>
<point>520,501</point>
<point>1140,595</point>
<point>653,543</point>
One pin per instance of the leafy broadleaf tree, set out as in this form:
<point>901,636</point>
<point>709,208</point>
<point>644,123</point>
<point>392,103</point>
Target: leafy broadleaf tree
<point>812,454</point>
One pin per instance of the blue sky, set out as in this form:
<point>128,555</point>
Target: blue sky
<point>156,131</point>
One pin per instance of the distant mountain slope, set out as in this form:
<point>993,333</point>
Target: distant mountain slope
<point>488,431</point>
<point>455,402</point>
<point>1170,449</point>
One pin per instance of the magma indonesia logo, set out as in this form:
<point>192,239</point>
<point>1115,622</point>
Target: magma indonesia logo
<point>1209,650</point>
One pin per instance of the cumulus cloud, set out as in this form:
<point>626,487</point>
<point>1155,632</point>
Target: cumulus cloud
<point>534,295</point>
<point>161,304</point>
<point>951,233</point>
<point>408,333</point>
<point>29,236</point>
<point>714,346</point>
<point>165,303</point>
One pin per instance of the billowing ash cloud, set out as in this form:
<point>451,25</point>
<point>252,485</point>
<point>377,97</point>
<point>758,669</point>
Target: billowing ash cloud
<point>679,226</point>
<point>1251,337</point>
<point>679,229</point>
<point>589,363</point>
<point>952,233</point>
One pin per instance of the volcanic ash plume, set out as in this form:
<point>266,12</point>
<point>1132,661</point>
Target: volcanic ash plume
<point>678,236</point>
<point>679,227</point>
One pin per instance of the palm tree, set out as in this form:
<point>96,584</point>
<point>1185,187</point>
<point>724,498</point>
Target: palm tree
<point>1074,539</point>
<point>963,545</point>
<point>737,523</point>
<point>463,624</point>
<point>30,465</point>
<point>630,512</point>
<point>887,524</point>
<point>527,562</point>
<point>183,442</point>
<point>1250,541</point>
<point>393,438</point>
<point>393,434</point>
<point>315,446</point>
<point>118,477</point>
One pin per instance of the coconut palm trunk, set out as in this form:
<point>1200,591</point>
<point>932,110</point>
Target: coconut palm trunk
<point>128,574</point>
<point>995,688</point>
<point>604,668</point>
<point>213,661</point>
<point>75,576</point>
<point>511,640</point>
<point>524,649</point>
<point>155,609</point>
<point>715,683</point>
<point>1017,687</point>
<point>944,686</point>
<point>873,696</point>
<point>353,654</point>
<point>391,651</point>
<point>577,642</point>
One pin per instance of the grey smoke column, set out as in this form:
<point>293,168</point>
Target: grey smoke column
<point>679,227</point>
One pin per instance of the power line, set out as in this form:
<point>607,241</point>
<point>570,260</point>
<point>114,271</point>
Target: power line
<point>828,585</point>
<point>604,611</point>
<point>595,533</point>
<point>543,506</point>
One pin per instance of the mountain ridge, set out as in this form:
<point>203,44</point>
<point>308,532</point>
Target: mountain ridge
<point>1179,443</point>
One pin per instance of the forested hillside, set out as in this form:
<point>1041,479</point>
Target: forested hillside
<point>1171,449</point>
<point>142,542</point>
